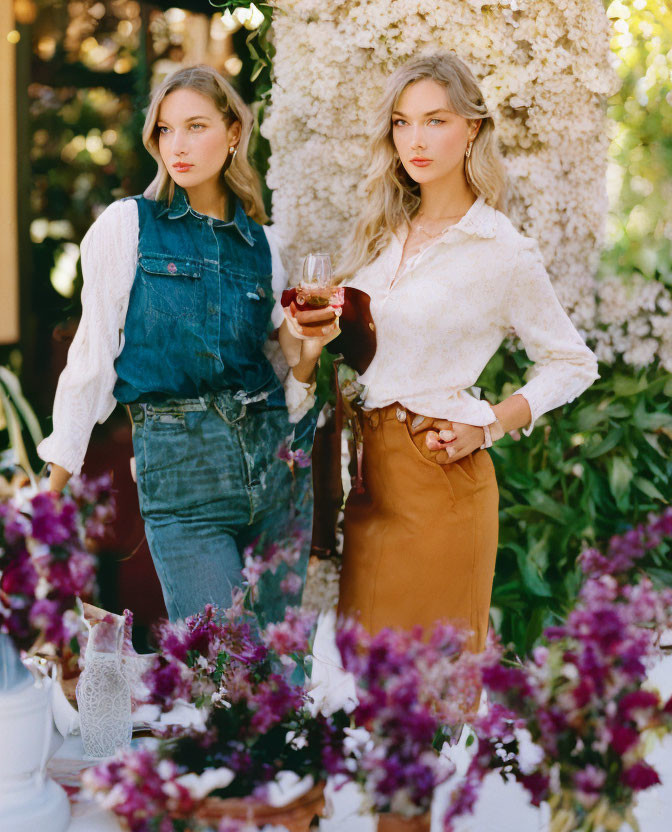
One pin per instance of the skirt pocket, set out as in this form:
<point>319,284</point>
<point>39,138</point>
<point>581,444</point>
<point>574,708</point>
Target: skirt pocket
<point>462,469</point>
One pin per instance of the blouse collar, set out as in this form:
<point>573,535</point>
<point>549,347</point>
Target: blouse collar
<point>480,220</point>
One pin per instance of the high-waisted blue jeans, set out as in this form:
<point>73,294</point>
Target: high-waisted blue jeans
<point>210,482</point>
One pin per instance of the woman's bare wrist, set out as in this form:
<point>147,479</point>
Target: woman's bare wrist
<point>58,477</point>
<point>304,371</point>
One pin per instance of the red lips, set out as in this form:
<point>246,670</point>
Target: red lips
<point>181,167</point>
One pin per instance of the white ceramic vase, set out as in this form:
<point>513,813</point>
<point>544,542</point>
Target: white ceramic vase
<point>29,800</point>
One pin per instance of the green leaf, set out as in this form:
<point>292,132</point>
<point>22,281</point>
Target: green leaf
<point>546,505</point>
<point>610,441</point>
<point>620,476</point>
<point>654,441</point>
<point>628,385</point>
<point>588,418</point>
<point>660,576</point>
<point>532,564</point>
<point>618,410</point>
<point>649,489</point>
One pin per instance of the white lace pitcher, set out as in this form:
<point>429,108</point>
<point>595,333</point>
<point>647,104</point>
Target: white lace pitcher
<point>103,693</point>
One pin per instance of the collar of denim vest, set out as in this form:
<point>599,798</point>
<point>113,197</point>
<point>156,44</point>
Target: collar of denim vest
<point>180,206</point>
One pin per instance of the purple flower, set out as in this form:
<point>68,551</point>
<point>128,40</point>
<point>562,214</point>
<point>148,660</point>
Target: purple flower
<point>623,738</point>
<point>637,700</point>
<point>292,635</point>
<point>590,780</point>
<point>47,616</point>
<point>19,577</point>
<point>291,584</point>
<point>272,701</point>
<point>537,784</point>
<point>299,457</point>
<point>499,678</point>
<point>54,519</point>
<point>625,550</point>
<point>640,776</point>
<point>141,788</point>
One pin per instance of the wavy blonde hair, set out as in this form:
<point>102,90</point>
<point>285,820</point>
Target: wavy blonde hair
<point>392,197</point>
<point>239,176</point>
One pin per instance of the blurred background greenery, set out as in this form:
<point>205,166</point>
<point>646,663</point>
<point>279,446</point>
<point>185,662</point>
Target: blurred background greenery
<point>639,228</point>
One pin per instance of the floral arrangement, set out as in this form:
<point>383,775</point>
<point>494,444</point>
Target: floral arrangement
<point>44,561</point>
<point>256,731</point>
<point>413,695</point>
<point>583,697</point>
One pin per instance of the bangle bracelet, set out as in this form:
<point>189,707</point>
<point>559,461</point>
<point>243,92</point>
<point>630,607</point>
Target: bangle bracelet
<point>492,432</point>
<point>496,430</point>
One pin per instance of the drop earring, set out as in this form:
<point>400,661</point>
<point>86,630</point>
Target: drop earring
<point>233,150</point>
<point>468,153</point>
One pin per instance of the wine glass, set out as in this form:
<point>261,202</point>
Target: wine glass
<point>317,289</point>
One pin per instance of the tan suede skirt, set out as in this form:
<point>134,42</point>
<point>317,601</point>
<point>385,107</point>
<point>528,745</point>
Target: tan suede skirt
<point>420,543</point>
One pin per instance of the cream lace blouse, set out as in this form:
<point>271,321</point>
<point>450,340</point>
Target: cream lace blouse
<point>441,317</point>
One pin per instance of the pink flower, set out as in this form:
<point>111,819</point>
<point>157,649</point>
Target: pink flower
<point>292,635</point>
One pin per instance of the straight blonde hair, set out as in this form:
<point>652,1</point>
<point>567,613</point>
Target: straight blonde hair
<point>239,176</point>
<point>392,197</point>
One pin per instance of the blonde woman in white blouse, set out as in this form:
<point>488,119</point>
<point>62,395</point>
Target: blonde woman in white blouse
<point>449,278</point>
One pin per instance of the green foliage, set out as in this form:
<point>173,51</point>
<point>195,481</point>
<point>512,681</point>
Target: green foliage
<point>17,419</point>
<point>641,140</point>
<point>589,470</point>
<point>259,45</point>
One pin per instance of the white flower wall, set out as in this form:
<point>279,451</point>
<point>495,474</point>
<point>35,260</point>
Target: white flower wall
<point>545,71</point>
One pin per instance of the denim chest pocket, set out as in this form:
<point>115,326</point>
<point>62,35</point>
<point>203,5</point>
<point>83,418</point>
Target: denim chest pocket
<point>173,285</point>
<point>253,306</point>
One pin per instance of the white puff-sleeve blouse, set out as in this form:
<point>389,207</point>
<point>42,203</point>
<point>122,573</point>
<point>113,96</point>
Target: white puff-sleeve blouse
<point>84,394</point>
<point>442,316</point>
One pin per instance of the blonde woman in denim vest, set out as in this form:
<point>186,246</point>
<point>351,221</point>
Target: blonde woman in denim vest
<point>449,278</point>
<point>178,299</point>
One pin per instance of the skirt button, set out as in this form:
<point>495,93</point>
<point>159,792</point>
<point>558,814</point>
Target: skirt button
<point>401,415</point>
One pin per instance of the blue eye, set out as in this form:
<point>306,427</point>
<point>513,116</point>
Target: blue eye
<point>163,129</point>
<point>194,126</point>
<point>398,122</point>
<point>435,121</point>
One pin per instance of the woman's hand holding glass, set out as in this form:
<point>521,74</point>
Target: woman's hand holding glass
<point>313,316</point>
<point>449,440</point>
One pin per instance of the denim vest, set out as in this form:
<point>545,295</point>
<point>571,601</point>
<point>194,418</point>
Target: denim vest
<point>199,310</point>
